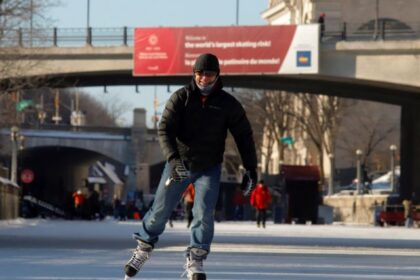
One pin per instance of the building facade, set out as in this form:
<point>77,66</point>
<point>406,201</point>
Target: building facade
<point>356,16</point>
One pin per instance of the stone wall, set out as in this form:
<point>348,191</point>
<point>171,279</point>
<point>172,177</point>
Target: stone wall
<point>357,209</point>
<point>9,201</point>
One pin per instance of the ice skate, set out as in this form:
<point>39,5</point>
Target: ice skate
<point>140,255</point>
<point>194,264</point>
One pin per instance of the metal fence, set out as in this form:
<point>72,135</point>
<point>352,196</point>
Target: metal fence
<point>123,36</point>
<point>381,30</point>
<point>67,37</point>
<point>125,131</point>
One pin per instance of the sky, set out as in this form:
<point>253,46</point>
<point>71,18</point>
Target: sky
<point>156,13</point>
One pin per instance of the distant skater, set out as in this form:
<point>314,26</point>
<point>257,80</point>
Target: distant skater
<point>260,200</point>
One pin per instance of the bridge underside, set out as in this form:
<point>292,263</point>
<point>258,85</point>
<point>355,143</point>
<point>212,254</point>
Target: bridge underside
<point>59,171</point>
<point>407,97</point>
<point>317,84</point>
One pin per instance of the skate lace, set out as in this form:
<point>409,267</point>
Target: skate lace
<point>139,258</point>
<point>190,265</point>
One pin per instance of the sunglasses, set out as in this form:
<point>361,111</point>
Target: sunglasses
<point>209,74</point>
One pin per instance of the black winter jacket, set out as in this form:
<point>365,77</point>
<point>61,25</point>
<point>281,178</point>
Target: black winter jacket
<point>196,132</point>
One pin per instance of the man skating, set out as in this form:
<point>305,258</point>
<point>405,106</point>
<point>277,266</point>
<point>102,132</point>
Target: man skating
<point>192,135</point>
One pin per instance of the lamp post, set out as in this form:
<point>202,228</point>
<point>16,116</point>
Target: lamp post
<point>14,136</point>
<point>392,149</point>
<point>237,12</point>
<point>376,30</point>
<point>88,14</point>
<point>31,22</point>
<point>331,179</point>
<point>359,170</point>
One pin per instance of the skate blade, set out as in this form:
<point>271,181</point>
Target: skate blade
<point>126,277</point>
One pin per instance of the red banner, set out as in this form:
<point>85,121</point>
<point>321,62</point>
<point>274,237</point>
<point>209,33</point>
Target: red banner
<point>240,49</point>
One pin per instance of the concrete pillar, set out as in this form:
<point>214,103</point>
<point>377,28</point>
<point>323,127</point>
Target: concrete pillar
<point>137,180</point>
<point>139,118</point>
<point>410,151</point>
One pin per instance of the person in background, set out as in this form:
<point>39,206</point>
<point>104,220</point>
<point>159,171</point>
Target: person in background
<point>122,211</point>
<point>238,201</point>
<point>93,205</point>
<point>407,204</point>
<point>79,203</point>
<point>321,21</point>
<point>260,200</point>
<point>116,206</point>
<point>188,196</point>
<point>192,134</point>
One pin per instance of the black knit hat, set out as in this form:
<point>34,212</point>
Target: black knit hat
<point>207,62</point>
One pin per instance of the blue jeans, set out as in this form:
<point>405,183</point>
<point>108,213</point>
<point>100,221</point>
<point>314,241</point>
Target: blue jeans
<point>206,185</point>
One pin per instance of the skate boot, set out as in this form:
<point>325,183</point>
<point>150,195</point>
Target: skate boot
<point>140,255</point>
<point>194,264</point>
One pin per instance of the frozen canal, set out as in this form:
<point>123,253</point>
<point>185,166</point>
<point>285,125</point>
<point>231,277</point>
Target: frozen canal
<point>81,250</point>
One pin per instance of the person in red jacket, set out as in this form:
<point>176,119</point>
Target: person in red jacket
<point>260,200</point>
<point>79,202</point>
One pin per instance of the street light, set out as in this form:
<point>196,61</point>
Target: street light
<point>331,179</point>
<point>359,170</point>
<point>237,12</point>
<point>376,30</point>
<point>14,136</point>
<point>31,22</point>
<point>88,14</point>
<point>392,149</point>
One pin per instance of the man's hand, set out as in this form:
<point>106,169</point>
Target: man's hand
<point>179,171</point>
<point>249,180</point>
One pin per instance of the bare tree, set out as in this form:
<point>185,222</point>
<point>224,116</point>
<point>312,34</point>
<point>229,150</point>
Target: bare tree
<point>44,104</point>
<point>96,112</point>
<point>20,21</point>
<point>278,123</point>
<point>268,113</point>
<point>376,126</point>
<point>320,117</point>
<point>114,107</point>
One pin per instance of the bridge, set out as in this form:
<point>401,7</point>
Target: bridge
<point>60,155</point>
<point>384,71</point>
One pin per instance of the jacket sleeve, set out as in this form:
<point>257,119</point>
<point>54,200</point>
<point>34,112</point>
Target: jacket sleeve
<point>241,131</point>
<point>169,125</point>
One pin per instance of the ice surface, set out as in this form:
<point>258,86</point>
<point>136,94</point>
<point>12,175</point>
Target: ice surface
<point>57,249</point>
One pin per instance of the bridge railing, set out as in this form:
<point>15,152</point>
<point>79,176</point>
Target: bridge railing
<point>382,30</point>
<point>126,131</point>
<point>67,37</point>
<point>123,36</point>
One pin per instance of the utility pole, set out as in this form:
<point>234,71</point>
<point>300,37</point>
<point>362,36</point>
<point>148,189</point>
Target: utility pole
<point>359,171</point>
<point>376,31</point>
<point>57,118</point>
<point>331,178</point>
<point>237,12</point>
<point>88,14</point>
<point>31,22</point>
<point>41,113</point>
<point>14,136</point>
<point>155,106</point>
<point>392,149</point>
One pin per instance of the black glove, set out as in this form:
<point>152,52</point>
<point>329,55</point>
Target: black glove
<point>179,171</point>
<point>249,180</point>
